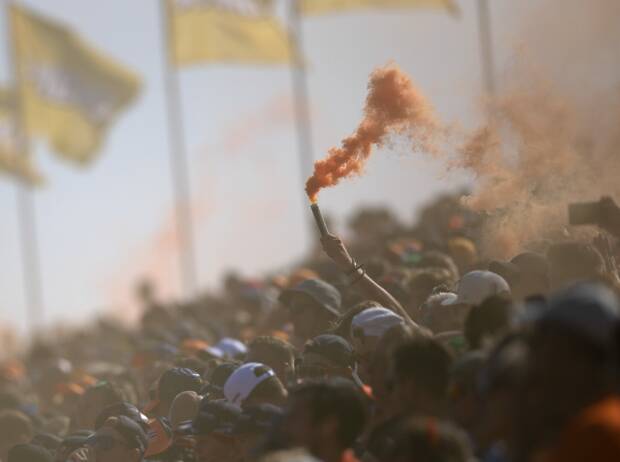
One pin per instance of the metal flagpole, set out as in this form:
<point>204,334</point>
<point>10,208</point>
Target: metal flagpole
<point>33,287</point>
<point>178,156</point>
<point>300,93</point>
<point>486,46</point>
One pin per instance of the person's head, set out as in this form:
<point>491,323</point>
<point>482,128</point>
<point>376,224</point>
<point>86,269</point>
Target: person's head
<point>252,384</point>
<point>170,384</point>
<point>422,284</point>
<point>487,321</point>
<point>573,360</point>
<point>15,428</point>
<point>119,439</point>
<point>313,305</point>
<point>232,348</point>
<point>254,423</point>
<point>476,286</point>
<point>463,398</point>
<point>119,409</point>
<point>419,377</point>
<point>464,253</point>
<point>428,439</point>
<point>533,275</point>
<point>437,259</point>
<point>213,429</point>
<point>472,289</point>
<point>217,377</point>
<point>380,365</point>
<point>275,353</point>
<point>326,356</point>
<point>184,407</point>
<point>571,262</point>
<point>440,313</point>
<point>71,443</point>
<point>94,400</point>
<point>500,381</point>
<point>29,453</point>
<point>367,328</point>
<point>48,441</point>
<point>325,417</point>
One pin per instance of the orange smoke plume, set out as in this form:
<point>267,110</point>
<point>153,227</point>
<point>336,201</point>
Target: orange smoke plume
<point>393,106</point>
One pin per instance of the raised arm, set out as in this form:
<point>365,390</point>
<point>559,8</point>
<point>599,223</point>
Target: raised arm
<point>336,250</point>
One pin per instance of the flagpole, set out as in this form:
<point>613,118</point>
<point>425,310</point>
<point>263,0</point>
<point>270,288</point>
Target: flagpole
<point>26,213</point>
<point>178,156</point>
<point>300,93</point>
<point>486,46</point>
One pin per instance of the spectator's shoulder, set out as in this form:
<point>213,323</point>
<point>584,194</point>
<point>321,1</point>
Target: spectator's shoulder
<point>593,435</point>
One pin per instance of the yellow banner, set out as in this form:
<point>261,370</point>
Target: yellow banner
<point>13,162</point>
<point>315,7</point>
<point>70,92</point>
<point>232,31</point>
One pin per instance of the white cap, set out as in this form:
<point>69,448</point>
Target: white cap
<point>231,348</point>
<point>374,322</point>
<point>244,380</point>
<point>477,286</point>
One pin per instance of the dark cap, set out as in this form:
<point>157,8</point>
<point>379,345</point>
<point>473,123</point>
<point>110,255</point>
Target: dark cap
<point>218,377</point>
<point>47,441</point>
<point>588,311</point>
<point>532,262</point>
<point>29,453</point>
<point>214,417</point>
<point>258,419</point>
<point>175,381</point>
<point>131,432</point>
<point>508,270</point>
<point>320,291</point>
<point>75,440</point>
<point>119,409</point>
<point>332,347</point>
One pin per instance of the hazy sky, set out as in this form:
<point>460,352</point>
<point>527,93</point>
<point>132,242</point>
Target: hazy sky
<point>102,227</point>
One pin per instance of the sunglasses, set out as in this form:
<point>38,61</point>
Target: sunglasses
<point>104,443</point>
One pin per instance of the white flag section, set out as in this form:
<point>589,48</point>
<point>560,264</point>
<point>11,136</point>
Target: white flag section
<point>13,161</point>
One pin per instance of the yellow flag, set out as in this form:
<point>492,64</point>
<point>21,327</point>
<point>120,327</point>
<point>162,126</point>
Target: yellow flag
<point>13,162</point>
<point>234,31</point>
<point>312,7</point>
<point>70,93</point>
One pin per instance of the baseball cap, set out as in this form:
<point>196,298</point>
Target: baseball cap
<point>129,430</point>
<point>244,380</point>
<point>231,348</point>
<point>118,409</point>
<point>175,381</point>
<point>29,453</point>
<point>258,419</point>
<point>48,441</point>
<point>320,291</point>
<point>217,416</point>
<point>374,322</point>
<point>475,286</point>
<point>218,377</point>
<point>590,311</point>
<point>332,347</point>
<point>75,440</point>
